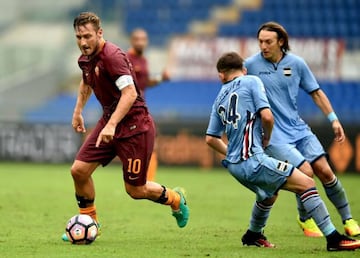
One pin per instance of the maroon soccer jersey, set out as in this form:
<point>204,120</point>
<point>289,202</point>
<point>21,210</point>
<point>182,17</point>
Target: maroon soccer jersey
<point>100,73</point>
<point>134,136</point>
<point>140,66</point>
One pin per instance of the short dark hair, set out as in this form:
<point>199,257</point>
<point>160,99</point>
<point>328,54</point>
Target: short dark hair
<point>85,18</point>
<point>230,61</point>
<point>280,31</point>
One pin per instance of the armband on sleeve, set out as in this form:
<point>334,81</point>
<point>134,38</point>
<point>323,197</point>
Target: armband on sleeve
<point>124,81</point>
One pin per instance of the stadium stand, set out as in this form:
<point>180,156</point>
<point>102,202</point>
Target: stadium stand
<point>191,101</point>
<point>163,19</point>
<point>302,18</point>
<point>27,66</point>
<point>318,19</point>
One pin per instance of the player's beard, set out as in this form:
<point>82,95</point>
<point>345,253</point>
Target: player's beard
<point>94,52</point>
<point>266,54</point>
<point>85,50</point>
<point>139,50</point>
<point>269,56</point>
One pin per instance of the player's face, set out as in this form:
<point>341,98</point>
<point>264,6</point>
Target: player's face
<point>88,39</point>
<point>270,46</point>
<point>139,41</point>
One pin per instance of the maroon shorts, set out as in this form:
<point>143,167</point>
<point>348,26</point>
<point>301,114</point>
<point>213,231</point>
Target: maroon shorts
<point>134,152</point>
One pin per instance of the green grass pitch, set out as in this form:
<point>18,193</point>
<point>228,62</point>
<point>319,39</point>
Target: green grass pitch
<point>36,200</point>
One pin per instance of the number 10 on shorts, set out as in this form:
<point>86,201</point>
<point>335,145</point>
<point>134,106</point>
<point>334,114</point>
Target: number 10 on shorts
<point>134,166</point>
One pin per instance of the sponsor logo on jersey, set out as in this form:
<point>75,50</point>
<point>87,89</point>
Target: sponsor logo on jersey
<point>287,71</point>
<point>282,166</point>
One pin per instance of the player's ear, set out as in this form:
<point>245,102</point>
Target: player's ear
<point>221,76</point>
<point>281,42</point>
<point>100,33</point>
<point>244,70</point>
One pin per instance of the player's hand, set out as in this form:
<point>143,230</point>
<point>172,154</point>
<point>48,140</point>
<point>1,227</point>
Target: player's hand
<point>265,142</point>
<point>106,135</point>
<point>338,131</point>
<point>78,123</point>
<point>165,76</point>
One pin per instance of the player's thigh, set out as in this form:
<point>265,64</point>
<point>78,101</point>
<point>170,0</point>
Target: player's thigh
<point>287,153</point>
<point>135,153</point>
<point>298,182</point>
<point>241,172</point>
<point>262,174</point>
<point>311,148</point>
<point>89,153</point>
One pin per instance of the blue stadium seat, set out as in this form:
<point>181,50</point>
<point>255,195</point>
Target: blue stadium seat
<point>193,100</point>
<point>165,18</point>
<point>305,18</point>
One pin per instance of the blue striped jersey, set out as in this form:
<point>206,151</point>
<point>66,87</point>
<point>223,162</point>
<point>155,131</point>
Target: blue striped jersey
<point>235,112</point>
<point>282,82</point>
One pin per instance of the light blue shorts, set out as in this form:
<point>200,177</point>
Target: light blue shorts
<point>306,149</point>
<point>261,174</point>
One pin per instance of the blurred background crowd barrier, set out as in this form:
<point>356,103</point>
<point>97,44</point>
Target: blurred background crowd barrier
<point>39,74</point>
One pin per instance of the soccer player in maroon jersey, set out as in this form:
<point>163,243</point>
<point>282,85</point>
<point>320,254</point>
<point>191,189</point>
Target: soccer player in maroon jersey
<point>139,42</point>
<point>126,129</point>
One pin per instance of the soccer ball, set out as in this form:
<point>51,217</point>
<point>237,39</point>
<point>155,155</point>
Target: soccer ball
<point>81,229</point>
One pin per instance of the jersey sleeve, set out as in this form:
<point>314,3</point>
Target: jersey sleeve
<point>247,65</point>
<point>250,64</point>
<point>215,127</point>
<point>84,68</point>
<point>259,94</point>
<point>308,81</point>
<point>117,65</point>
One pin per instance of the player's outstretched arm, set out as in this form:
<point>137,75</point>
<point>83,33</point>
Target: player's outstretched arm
<point>322,101</point>
<point>83,96</point>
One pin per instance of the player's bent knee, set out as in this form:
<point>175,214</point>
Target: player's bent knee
<point>270,201</point>
<point>136,195</point>
<point>136,192</point>
<point>298,182</point>
<point>325,174</point>
<point>307,169</point>
<point>78,174</point>
<point>81,171</point>
<point>308,183</point>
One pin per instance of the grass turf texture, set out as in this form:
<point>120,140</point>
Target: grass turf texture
<point>38,199</point>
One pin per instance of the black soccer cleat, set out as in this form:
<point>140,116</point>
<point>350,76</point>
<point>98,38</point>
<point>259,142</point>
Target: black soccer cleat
<point>342,243</point>
<point>256,239</point>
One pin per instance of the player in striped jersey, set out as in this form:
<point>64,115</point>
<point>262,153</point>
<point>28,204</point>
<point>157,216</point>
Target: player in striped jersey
<point>242,111</point>
<point>283,74</point>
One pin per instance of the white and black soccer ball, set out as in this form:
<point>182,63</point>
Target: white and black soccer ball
<point>81,229</point>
